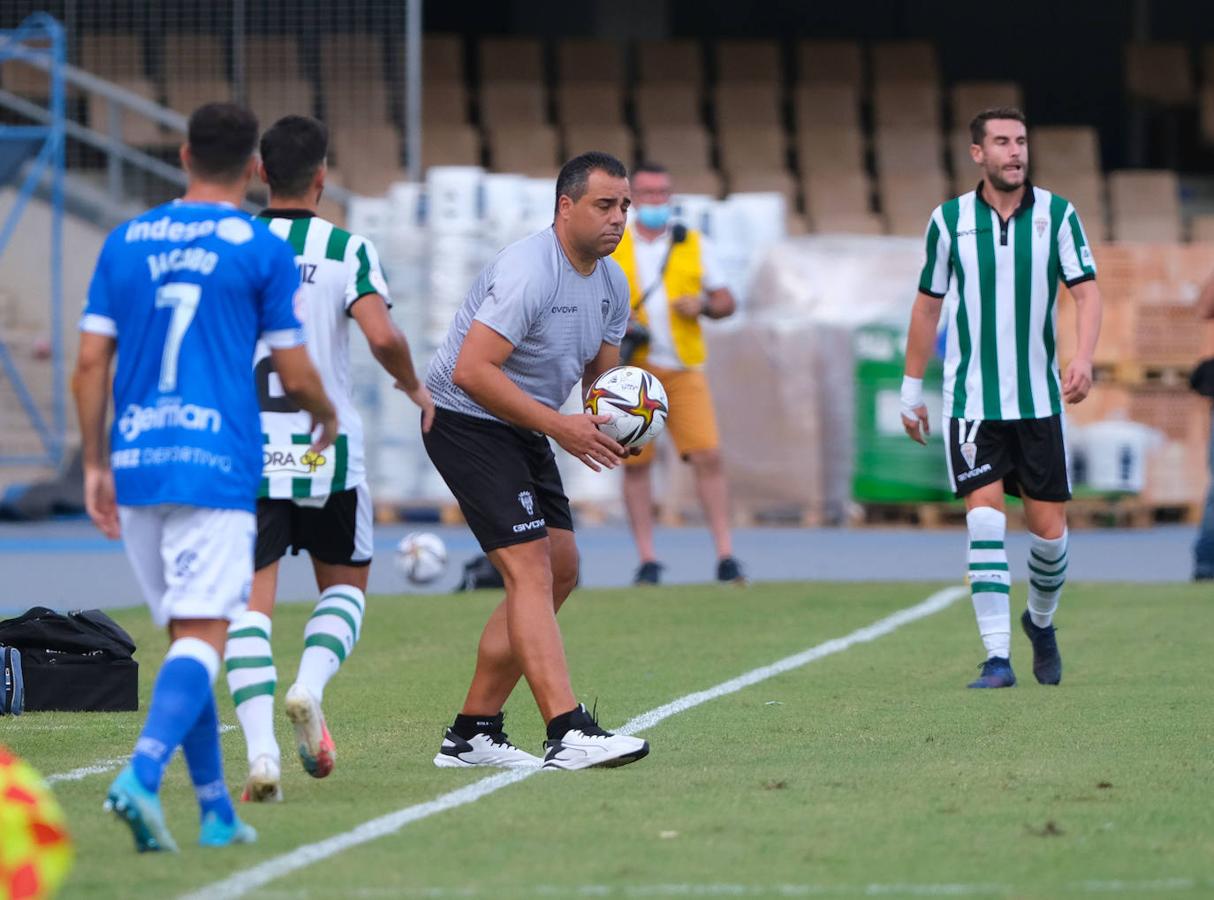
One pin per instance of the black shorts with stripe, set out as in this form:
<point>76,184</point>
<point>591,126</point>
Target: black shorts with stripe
<point>338,533</point>
<point>504,478</point>
<point>1027,455</point>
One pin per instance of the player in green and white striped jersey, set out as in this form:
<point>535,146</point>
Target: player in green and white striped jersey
<point>309,501</point>
<point>994,258</point>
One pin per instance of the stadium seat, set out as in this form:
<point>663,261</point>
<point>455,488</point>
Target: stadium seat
<point>512,104</point>
<point>444,101</point>
<point>450,145</point>
<point>965,172</point>
<point>822,150</point>
<point>351,103</point>
<point>772,181</point>
<point>113,55</point>
<point>189,56</point>
<point>1201,228</point>
<point>968,98</point>
<point>692,181</point>
<point>905,61</point>
<point>908,150</point>
<point>589,103</point>
<point>136,130</point>
<point>749,61</point>
<point>270,100</point>
<point>1064,148</point>
<point>900,104</point>
<point>830,62</point>
<point>830,196</point>
<point>368,157</point>
<point>351,58</point>
<point>750,104</point>
<point>510,59</point>
<point>525,150</point>
<point>667,105</point>
<point>271,56</point>
<point>669,62</point>
<point>1159,73</point>
<point>1145,205</point>
<point>907,201</point>
<point>614,139</point>
<point>1086,192</point>
<point>1206,108</point>
<point>442,58</point>
<point>682,147</point>
<point>187,96</point>
<point>762,149</point>
<point>826,106</point>
<point>23,79</point>
<point>589,60</point>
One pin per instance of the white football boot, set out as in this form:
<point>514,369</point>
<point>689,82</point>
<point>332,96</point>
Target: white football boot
<point>264,784</point>
<point>489,748</point>
<point>585,745</point>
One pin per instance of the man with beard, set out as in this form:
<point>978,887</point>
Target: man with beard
<point>998,253</point>
<point>549,310</point>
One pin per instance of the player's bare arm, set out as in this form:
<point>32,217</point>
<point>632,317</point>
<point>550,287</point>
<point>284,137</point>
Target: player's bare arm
<point>478,372</point>
<point>390,348</point>
<point>921,336</point>
<point>91,388</point>
<point>1077,380</point>
<point>1205,300</point>
<point>302,384</point>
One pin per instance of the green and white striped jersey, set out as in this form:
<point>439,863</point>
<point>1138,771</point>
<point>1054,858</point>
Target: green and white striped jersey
<point>1001,281</point>
<point>335,269</point>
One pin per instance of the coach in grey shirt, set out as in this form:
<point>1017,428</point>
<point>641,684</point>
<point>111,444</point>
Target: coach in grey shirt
<point>551,309</point>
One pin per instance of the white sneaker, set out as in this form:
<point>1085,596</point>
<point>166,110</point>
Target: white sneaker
<point>488,748</point>
<point>264,784</point>
<point>586,746</point>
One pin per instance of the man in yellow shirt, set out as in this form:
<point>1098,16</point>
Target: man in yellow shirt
<point>674,279</point>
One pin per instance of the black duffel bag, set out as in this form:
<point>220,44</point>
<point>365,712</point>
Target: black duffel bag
<point>76,661</point>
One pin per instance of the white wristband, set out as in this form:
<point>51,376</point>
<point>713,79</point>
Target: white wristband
<point>912,397</point>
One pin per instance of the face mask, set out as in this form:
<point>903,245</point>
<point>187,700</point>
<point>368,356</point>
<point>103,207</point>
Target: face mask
<point>653,216</point>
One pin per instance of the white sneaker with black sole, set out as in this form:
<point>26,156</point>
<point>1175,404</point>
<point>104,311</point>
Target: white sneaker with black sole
<point>585,746</point>
<point>483,749</point>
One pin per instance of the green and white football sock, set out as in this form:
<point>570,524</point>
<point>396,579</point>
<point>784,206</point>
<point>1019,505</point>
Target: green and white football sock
<point>252,680</point>
<point>330,636</point>
<point>1047,574</point>
<point>990,579</point>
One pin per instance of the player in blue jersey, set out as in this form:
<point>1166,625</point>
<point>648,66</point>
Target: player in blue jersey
<point>182,294</point>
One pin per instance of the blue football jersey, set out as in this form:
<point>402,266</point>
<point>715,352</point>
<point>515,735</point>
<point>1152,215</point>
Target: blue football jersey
<point>186,290</point>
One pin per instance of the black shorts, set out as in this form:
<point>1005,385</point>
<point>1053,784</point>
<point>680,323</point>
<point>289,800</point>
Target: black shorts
<point>504,478</point>
<point>338,533</point>
<point>1028,455</point>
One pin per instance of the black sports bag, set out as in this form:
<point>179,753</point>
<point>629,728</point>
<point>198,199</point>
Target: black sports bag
<point>76,661</point>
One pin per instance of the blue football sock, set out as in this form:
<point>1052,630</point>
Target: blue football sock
<point>182,689</point>
<point>205,761</point>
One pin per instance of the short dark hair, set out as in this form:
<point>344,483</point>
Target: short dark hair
<point>978,123</point>
<point>575,174</point>
<point>292,150</point>
<point>222,137</point>
<point>650,167</point>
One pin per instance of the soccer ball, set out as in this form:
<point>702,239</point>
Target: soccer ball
<point>35,849</point>
<point>636,402</point>
<point>421,556</point>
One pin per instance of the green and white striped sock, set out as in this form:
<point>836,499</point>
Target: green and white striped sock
<point>330,636</point>
<point>252,679</point>
<point>1047,575</point>
<point>990,579</point>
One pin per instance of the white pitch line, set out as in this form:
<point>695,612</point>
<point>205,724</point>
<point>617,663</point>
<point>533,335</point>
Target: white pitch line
<point>243,882</point>
<point>101,766</point>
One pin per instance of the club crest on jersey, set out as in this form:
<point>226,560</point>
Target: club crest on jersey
<point>528,502</point>
<point>1040,225</point>
<point>969,452</point>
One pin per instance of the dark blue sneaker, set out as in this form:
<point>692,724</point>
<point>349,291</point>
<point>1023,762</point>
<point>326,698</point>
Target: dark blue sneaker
<point>996,673</point>
<point>1047,663</point>
<point>730,570</point>
<point>648,573</point>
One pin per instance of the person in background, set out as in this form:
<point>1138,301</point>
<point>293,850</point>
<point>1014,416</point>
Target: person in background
<point>1203,550</point>
<point>674,279</point>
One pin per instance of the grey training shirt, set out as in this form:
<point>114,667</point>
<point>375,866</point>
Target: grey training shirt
<point>556,318</point>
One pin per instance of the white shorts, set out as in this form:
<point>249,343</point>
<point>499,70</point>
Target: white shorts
<point>191,562</point>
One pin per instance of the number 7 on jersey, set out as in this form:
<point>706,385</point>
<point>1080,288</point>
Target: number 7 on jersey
<point>183,298</point>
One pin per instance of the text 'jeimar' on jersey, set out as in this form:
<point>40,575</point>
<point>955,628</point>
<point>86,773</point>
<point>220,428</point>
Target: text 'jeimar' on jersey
<point>186,290</point>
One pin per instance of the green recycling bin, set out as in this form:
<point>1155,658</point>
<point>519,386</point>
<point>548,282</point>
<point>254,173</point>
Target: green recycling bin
<point>889,466</point>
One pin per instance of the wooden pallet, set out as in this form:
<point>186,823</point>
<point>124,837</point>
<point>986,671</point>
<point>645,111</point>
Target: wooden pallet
<point>419,512</point>
<point>1139,372</point>
<point>1087,512</point>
